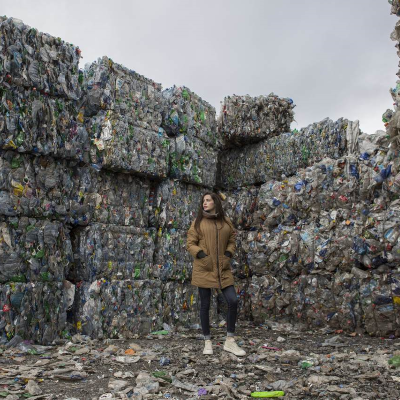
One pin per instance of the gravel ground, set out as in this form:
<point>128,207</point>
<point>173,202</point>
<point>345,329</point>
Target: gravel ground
<point>302,364</point>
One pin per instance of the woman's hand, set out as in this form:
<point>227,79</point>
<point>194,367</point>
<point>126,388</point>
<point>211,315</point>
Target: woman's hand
<point>201,254</point>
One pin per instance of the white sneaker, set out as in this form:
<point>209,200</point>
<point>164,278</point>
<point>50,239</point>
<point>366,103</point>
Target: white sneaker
<point>207,347</point>
<point>231,346</point>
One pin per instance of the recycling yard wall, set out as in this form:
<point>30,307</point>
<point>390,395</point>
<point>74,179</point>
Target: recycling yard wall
<point>102,171</point>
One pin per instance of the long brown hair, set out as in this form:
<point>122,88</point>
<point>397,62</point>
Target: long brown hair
<point>218,210</point>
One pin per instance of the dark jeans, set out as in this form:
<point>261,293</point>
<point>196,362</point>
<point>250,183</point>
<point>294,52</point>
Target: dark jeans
<point>205,298</point>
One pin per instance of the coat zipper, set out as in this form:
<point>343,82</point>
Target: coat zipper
<point>219,276</point>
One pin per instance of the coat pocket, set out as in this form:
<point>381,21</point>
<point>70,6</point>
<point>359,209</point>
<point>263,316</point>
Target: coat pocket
<point>205,263</point>
<point>226,263</point>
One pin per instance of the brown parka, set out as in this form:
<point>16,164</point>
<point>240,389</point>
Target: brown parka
<point>215,237</point>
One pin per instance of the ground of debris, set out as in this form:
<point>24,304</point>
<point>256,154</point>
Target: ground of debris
<point>167,364</point>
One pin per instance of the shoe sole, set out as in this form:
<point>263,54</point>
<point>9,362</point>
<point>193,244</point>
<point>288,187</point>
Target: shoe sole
<point>207,353</point>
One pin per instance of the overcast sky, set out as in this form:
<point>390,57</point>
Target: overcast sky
<point>333,58</point>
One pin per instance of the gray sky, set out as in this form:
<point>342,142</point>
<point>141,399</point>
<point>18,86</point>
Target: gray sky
<point>333,58</point>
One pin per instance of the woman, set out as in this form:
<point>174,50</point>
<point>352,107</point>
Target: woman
<point>211,241</point>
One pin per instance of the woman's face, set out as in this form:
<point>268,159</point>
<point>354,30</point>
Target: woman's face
<point>208,203</point>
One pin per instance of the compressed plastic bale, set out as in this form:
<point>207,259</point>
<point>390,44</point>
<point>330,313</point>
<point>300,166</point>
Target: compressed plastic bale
<point>346,290</point>
<point>171,259</point>
<point>112,252</point>
<point>246,119</point>
<point>272,298</point>
<point>254,245</point>
<point>192,161</point>
<point>34,250</point>
<point>37,60</point>
<point>31,122</point>
<point>87,310</point>
<point>34,311</point>
<point>64,190</point>
<point>320,307</point>
<point>119,308</point>
<point>378,306</point>
<point>284,299</point>
<point>395,290</point>
<point>276,298</point>
<point>239,264</point>
<point>187,113</point>
<point>129,307</point>
<point>327,254</point>
<point>108,197</point>
<point>240,205</point>
<point>283,154</point>
<point>36,186</point>
<point>273,252</point>
<point>324,186</point>
<point>298,306</point>
<point>395,9</point>
<point>136,307</point>
<point>175,204</point>
<point>244,299</point>
<point>181,305</point>
<point>262,294</point>
<point>274,206</point>
<point>117,144</point>
<point>133,97</point>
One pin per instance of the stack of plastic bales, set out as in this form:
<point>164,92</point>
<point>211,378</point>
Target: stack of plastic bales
<point>283,154</point>
<point>114,254</point>
<point>134,245</point>
<point>102,172</point>
<point>322,237</point>
<point>40,86</point>
<point>191,122</point>
<point>123,110</point>
<point>246,119</point>
<point>40,122</point>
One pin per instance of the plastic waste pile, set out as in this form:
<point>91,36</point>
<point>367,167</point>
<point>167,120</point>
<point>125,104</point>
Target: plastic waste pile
<point>332,228</point>
<point>395,7</point>
<point>282,155</point>
<point>246,119</point>
<point>40,87</point>
<point>172,261</point>
<point>102,172</point>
